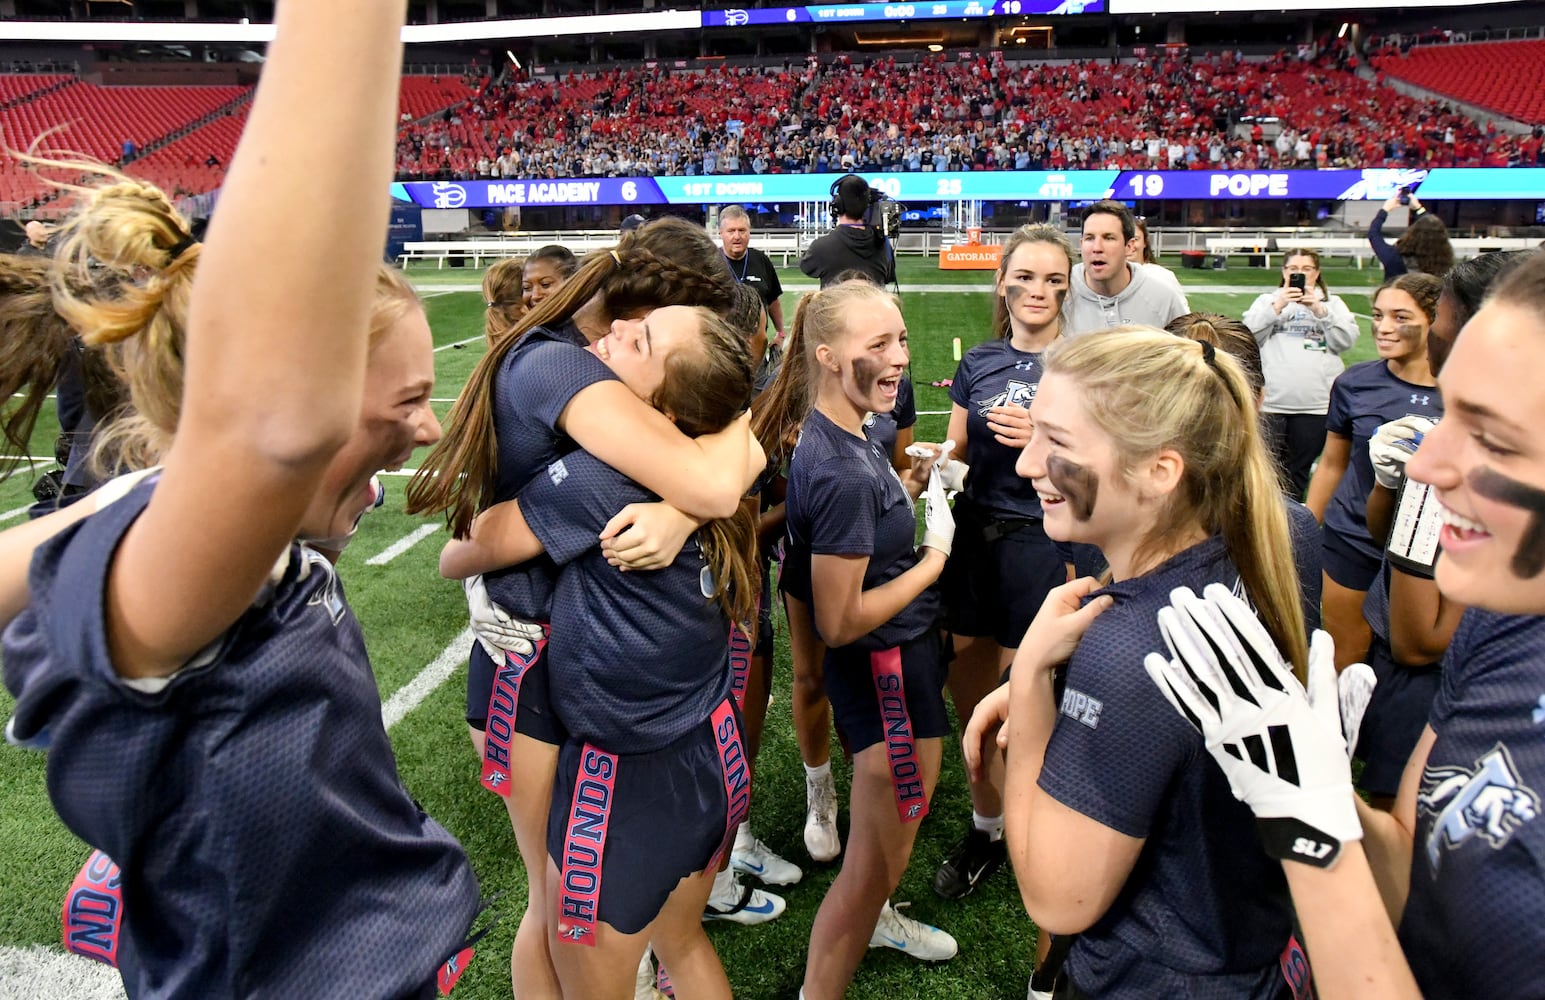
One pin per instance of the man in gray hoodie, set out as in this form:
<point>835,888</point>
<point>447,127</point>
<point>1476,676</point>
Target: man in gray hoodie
<point>1110,290</point>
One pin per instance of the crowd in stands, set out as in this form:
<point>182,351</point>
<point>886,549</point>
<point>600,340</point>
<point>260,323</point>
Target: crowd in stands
<point>1174,112</point>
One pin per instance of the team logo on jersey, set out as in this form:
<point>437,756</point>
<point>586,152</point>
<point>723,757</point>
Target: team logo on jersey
<point>327,595</point>
<point>1491,802</point>
<point>1539,711</point>
<point>1081,708</point>
<point>1016,393</point>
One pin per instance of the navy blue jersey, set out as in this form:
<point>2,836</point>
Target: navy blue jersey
<point>1363,397</point>
<point>637,659</point>
<point>536,380</point>
<point>883,428</point>
<point>252,801</point>
<point>1474,924</point>
<point>1308,558</point>
<point>1204,913</point>
<point>845,499</point>
<point>995,374</point>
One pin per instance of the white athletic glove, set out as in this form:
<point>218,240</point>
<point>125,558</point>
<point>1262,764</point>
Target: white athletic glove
<point>1284,757</point>
<point>1393,444</point>
<point>938,519</point>
<point>952,469</point>
<point>1353,688</point>
<point>496,630</point>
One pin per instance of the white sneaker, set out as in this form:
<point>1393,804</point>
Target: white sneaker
<point>921,941</point>
<point>821,838</point>
<point>755,859</point>
<point>735,901</point>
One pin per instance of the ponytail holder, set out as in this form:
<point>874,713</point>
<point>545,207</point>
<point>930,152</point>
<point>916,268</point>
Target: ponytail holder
<point>616,257</point>
<point>1209,354</point>
<point>180,247</point>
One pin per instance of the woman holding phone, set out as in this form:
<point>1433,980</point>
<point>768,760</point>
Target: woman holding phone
<point>1302,329</point>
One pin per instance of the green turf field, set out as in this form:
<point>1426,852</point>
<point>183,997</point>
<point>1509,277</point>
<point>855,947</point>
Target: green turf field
<point>410,618</point>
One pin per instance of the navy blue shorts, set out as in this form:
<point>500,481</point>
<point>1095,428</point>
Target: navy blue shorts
<point>1397,714</point>
<point>998,575</point>
<point>1347,566</point>
<point>625,829</point>
<point>894,697</point>
<point>534,715</point>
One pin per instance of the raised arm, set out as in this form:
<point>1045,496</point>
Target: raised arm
<point>276,334</point>
<point>1421,620</point>
<point>705,477</point>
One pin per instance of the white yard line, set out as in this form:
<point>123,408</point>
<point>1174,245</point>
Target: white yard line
<point>408,697</point>
<point>402,545</point>
<point>459,343</point>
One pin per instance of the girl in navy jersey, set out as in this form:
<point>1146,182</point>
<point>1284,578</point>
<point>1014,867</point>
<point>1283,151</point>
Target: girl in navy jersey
<point>1398,384</point>
<point>641,688</point>
<point>1120,832</point>
<point>216,726</point>
<point>1456,865</point>
<point>1003,565</point>
<point>532,395</point>
<point>851,527</point>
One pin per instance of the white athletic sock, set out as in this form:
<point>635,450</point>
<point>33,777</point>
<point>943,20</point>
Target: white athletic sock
<point>743,836</point>
<point>723,881</point>
<point>823,773</point>
<point>990,825</point>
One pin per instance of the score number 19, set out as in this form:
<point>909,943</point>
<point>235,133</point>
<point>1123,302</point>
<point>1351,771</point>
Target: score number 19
<point>1146,185</point>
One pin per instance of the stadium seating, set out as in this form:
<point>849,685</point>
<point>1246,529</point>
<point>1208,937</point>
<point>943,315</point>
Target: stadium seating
<point>942,114</point>
<point>1505,77</point>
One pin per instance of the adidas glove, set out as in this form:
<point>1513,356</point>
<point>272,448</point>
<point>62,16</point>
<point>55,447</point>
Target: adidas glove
<point>1284,756</point>
<point>497,631</point>
<point>1392,445</point>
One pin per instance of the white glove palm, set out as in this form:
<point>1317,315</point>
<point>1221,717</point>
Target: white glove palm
<point>952,469</point>
<point>496,630</point>
<point>1393,444</point>
<point>938,519</point>
<point>1285,755</point>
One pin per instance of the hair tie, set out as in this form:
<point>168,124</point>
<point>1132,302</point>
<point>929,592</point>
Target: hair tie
<point>180,247</point>
<point>616,257</point>
<point>1209,354</point>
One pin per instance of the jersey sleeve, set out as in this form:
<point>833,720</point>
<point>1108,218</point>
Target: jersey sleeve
<point>555,373</point>
<point>774,286</point>
<point>960,385</point>
<point>568,504</point>
<point>843,509</point>
<point>1117,744</point>
<point>905,413</point>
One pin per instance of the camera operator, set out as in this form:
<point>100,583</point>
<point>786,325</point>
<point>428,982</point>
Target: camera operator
<point>855,244</point>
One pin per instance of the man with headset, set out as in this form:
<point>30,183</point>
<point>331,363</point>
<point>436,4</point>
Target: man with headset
<point>853,245</point>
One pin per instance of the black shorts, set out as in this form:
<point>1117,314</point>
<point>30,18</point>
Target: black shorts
<point>1344,564</point>
<point>1397,714</point>
<point>998,574</point>
<point>532,699</point>
<point>895,697</point>
<point>625,829</point>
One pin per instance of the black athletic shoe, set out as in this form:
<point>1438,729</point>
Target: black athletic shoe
<point>973,859</point>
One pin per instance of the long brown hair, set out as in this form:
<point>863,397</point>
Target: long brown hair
<point>702,391</point>
<point>1150,391</point>
<point>1041,233</point>
<point>667,262</point>
<point>35,342</point>
<point>1425,246</point>
<point>502,304</point>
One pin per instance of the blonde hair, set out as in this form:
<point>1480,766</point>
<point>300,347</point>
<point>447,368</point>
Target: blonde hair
<point>1150,391</point>
<point>502,300</point>
<point>820,318</point>
<point>1040,233</point>
<point>123,278</point>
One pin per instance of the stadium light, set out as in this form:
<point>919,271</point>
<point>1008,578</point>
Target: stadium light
<point>251,34</point>
<point>1343,32</point>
